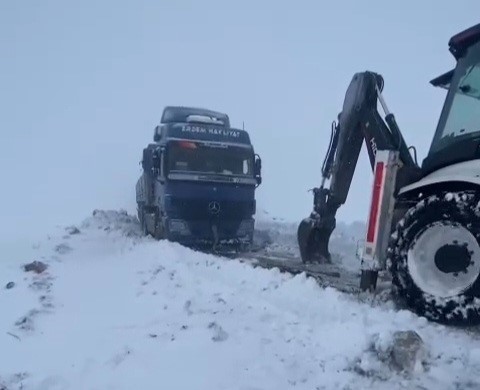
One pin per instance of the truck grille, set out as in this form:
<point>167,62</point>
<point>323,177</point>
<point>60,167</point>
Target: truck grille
<point>210,208</point>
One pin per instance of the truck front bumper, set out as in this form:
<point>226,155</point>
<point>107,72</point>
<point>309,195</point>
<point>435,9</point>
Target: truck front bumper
<point>201,231</point>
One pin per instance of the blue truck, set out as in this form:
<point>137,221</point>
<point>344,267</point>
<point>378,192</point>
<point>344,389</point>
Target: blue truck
<point>198,181</point>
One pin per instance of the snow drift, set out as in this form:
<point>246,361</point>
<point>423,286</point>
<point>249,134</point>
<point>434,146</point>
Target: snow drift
<point>116,310</point>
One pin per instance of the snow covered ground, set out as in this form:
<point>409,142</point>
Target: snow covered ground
<point>115,310</point>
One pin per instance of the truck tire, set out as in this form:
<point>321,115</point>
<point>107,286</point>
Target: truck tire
<point>159,233</point>
<point>434,258</point>
<point>143,223</point>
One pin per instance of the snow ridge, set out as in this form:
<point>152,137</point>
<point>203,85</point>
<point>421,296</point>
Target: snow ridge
<point>127,312</point>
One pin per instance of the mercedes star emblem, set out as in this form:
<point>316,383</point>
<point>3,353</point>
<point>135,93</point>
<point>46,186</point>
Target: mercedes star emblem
<point>214,207</point>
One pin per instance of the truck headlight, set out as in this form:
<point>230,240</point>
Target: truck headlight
<point>178,226</point>
<point>246,226</point>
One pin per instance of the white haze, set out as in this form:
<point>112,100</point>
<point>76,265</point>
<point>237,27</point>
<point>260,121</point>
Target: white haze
<point>83,85</point>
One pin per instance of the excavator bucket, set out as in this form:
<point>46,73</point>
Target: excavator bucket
<point>313,242</point>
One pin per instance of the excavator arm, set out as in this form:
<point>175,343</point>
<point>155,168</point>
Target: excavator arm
<point>358,122</point>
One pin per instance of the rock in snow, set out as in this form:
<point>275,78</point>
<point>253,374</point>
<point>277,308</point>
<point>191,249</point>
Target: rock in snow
<point>402,351</point>
<point>408,351</point>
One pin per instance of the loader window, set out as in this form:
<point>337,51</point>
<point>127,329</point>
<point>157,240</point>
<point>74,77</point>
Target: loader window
<point>461,117</point>
<point>185,156</point>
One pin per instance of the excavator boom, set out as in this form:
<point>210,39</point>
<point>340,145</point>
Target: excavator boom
<point>358,122</point>
<point>423,224</point>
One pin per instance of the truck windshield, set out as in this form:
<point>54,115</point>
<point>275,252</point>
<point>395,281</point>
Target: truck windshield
<point>186,156</point>
<point>461,117</point>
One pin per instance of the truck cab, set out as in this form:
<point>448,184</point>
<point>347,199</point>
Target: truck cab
<point>199,180</point>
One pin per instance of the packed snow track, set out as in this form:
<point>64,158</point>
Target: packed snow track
<point>104,307</point>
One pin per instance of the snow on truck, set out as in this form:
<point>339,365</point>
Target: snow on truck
<point>424,221</point>
<point>199,179</point>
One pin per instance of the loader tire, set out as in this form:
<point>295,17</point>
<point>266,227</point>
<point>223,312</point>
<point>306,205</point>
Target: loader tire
<point>434,258</point>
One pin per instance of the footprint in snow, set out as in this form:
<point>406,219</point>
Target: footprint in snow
<point>118,359</point>
<point>41,283</point>
<point>72,230</point>
<point>157,270</point>
<point>218,333</point>
<point>15,379</point>
<point>37,267</point>
<point>63,248</point>
<point>26,322</point>
<point>153,275</point>
<point>265,341</point>
<point>46,302</point>
<point>53,383</point>
<point>187,306</point>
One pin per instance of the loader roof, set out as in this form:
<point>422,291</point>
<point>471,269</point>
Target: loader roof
<point>458,44</point>
<point>461,41</point>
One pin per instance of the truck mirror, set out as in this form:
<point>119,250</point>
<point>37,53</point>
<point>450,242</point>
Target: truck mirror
<point>159,163</point>
<point>258,169</point>
<point>156,134</point>
<point>146,159</point>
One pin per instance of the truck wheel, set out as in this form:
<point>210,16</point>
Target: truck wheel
<point>143,222</point>
<point>159,230</point>
<point>434,258</point>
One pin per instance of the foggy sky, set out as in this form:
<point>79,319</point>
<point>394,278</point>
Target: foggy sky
<point>83,84</point>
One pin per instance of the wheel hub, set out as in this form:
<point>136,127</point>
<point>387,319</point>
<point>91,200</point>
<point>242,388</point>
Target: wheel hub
<point>445,254</point>
<point>444,260</point>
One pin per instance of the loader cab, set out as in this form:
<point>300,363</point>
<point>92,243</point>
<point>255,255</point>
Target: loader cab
<point>457,137</point>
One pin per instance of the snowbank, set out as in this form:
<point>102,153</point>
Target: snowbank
<point>115,310</point>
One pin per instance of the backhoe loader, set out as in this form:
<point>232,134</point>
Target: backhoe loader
<point>423,225</point>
